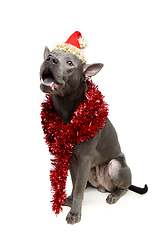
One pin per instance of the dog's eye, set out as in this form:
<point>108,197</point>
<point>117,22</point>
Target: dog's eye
<point>70,63</point>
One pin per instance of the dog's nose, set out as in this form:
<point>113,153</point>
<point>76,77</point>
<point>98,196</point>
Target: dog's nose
<point>52,60</point>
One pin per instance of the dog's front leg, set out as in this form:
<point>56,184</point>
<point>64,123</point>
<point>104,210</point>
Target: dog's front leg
<point>74,216</point>
<point>73,172</point>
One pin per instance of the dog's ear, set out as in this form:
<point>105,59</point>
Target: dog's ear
<point>46,52</point>
<point>90,70</point>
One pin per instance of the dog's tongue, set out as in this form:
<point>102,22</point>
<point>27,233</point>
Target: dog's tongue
<point>49,81</point>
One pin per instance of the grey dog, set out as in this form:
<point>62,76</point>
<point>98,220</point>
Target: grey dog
<point>98,162</point>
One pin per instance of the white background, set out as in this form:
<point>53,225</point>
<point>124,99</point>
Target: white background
<point>125,36</point>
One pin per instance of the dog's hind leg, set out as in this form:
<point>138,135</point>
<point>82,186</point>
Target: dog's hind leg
<point>120,174</point>
<point>115,196</point>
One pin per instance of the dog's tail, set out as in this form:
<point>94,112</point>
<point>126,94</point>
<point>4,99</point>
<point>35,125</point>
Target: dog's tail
<point>138,189</point>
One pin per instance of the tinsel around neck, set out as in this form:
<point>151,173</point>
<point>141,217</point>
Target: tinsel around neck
<point>87,120</point>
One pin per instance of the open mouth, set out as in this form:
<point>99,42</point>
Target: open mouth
<point>49,80</point>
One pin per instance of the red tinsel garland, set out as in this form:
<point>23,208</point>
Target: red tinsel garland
<point>87,120</point>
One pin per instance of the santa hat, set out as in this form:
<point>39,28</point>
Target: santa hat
<point>74,44</point>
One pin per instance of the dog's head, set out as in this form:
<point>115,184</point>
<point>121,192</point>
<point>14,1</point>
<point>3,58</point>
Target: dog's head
<point>62,72</point>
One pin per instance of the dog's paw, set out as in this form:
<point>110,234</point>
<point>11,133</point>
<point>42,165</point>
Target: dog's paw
<point>68,201</point>
<point>112,198</point>
<point>73,218</point>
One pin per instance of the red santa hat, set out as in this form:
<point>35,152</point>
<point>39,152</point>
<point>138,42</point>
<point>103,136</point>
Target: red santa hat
<point>74,44</point>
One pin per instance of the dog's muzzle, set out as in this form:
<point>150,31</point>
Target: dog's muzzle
<point>48,80</point>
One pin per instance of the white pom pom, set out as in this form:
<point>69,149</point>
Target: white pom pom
<point>82,43</point>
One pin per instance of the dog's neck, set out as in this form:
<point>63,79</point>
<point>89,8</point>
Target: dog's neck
<point>66,106</point>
